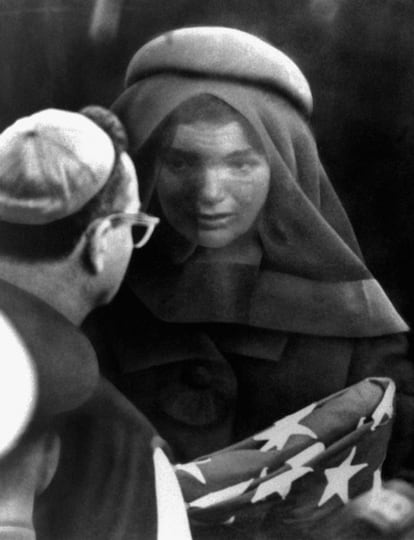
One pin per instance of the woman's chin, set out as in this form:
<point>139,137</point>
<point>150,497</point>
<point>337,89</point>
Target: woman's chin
<point>214,239</point>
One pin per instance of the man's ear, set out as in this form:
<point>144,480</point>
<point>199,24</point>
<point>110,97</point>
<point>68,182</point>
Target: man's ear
<point>96,245</point>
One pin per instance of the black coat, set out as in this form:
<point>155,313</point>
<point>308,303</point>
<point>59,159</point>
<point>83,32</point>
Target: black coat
<point>202,391</point>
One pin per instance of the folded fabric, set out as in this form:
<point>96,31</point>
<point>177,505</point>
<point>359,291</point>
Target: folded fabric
<point>289,480</point>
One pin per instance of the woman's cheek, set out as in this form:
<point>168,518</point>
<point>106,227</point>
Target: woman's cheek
<point>243,190</point>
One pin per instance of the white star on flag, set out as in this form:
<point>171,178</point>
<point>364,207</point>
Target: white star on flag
<point>338,479</point>
<point>263,472</point>
<point>306,455</point>
<point>279,433</point>
<point>385,408</point>
<point>193,469</point>
<point>221,495</point>
<point>361,421</point>
<point>282,483</point>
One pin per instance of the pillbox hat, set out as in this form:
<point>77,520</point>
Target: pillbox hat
<point>221,52</point>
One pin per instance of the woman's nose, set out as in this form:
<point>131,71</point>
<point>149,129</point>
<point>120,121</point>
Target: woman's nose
<point>211,185</point>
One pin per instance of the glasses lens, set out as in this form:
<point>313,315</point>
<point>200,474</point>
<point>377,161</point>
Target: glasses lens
<point>139,233</point>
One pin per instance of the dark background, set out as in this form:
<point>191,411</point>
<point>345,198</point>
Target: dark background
<point>357,54</point>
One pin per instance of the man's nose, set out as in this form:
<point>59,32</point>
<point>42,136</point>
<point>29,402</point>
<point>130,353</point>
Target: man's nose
<point>211,186</point>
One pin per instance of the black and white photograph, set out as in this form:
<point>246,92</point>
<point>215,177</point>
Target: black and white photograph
<point>206,270</point>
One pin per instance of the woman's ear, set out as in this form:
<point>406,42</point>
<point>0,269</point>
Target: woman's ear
<point>97,245</point>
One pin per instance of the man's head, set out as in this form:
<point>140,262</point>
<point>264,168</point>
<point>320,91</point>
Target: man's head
<point>65,183</point>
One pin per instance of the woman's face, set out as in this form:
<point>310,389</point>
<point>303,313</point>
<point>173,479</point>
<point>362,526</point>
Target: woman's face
<point>212,182</point>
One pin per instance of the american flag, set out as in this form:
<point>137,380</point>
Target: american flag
<point>290,480</point>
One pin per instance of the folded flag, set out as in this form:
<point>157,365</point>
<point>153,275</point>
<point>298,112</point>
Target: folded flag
<point>290,479</point>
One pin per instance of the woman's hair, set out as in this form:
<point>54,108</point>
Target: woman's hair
<point>204,108</point>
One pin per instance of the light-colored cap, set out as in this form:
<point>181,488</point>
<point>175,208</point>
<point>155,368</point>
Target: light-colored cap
<point>223,53</point>
<point>51,164</point>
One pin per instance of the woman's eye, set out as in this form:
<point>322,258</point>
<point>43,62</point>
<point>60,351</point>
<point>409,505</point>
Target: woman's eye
<point>177,163</point>
<point>241,165</point>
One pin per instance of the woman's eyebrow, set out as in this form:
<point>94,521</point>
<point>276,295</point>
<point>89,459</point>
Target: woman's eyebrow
<point>180,152</point>
<point>247,152</point>
<point>244,152</point>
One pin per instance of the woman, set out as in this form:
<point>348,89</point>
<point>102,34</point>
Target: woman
<point>253,299</point>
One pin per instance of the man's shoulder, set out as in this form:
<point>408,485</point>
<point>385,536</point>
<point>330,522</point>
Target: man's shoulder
<point>109,407</point>
<point>63,359</point>
<point>106,468</point>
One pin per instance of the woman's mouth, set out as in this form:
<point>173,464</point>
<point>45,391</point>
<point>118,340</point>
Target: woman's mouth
<point>213,220</point>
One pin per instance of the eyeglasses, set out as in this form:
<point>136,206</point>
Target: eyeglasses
<point>143,225</point>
